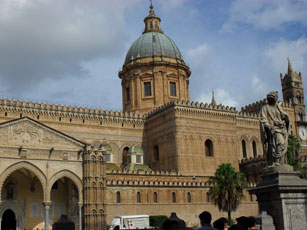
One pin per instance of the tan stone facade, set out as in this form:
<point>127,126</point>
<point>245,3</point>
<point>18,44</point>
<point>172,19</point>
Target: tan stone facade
<point>154,158</point>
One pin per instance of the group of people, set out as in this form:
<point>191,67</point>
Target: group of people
<point>243,223</point>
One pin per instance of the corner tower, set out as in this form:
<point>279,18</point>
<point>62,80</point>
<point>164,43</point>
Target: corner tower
<point>293,92</point>
<point>154,71</point>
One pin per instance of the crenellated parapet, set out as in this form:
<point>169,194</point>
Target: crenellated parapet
<point>255,107</point>
<point>58,112</point>
<point>191,106</point>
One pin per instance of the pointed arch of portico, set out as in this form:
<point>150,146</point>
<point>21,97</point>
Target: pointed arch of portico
<point>70,175</point>
<point>23,165</point>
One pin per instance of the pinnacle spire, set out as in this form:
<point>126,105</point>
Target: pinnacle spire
<point>290,70</point>
<point>213,102</point>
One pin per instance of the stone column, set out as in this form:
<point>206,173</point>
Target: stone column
<point>80,216</point>
<point>46,221</point>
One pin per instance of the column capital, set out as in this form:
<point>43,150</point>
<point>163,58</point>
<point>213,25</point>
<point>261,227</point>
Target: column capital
<point>47,203</point>
<point>80,204</point>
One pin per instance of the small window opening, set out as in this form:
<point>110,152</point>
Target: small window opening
<point>155,197</point>
<point>37,117</point>
<point>209,148</point>
<point>21,115</point>
<point>150,23</point>
<point>83,121</point>
<point>189,197</point>
<point>254,148</point>
<point>125,155</point>
<point>156,25</point>
<point>118,198</point>
<point>174,197</point>
<point>60,118</point>
<point>70,120</point>
<point>138,197</point>
<point>244,149</point>
<point>173,89</point>
<point>147,89</point>
<point>156,153</point>
<point>128,94</point>
<point>138,159</point>
<point>5,114</point>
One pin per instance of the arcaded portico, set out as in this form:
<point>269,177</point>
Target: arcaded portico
<point>40,175</point>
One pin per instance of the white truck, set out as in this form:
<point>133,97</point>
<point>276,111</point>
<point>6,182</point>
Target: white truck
<point>130,222</point>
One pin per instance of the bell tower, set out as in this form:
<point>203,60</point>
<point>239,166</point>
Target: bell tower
<point>293,92</point>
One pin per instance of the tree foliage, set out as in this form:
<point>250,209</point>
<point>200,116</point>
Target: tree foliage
<point>294,148</point>
<point>227,188</point>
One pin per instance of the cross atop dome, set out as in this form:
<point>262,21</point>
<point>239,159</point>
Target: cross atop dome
<point>152,21</point>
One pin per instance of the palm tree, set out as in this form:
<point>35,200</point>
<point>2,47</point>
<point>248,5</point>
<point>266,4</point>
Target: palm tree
<point>227,188</point>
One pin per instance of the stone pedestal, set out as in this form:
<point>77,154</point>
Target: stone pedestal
<point>283,195</point>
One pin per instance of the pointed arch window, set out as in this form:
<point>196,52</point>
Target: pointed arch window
<point>118,201</point>
<point>244,149</point>
<point>174,197</point>
<point>189,197</point>
<point>255,149</point>
<point>155,197</point>
<point>209,148</point>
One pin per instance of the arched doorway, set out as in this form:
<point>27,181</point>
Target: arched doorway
<point>8,220</point>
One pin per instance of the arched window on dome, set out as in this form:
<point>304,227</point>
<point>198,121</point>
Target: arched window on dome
<point>147,89</point>
<point>151,25</point>
<point>128,93</point>
<point>254,149</point>
<point>156,25</point>
<point>244,149</point>
<point>209,148</point>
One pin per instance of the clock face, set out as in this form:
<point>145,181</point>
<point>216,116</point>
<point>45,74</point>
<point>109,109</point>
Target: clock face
<point>302,132</point>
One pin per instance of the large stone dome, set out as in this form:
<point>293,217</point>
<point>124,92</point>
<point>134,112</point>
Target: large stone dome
<point>153,44</point>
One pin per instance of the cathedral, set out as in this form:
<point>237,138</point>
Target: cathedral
<point>154,157</point>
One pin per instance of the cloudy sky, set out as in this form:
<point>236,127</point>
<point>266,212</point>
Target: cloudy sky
<point>70,51</point>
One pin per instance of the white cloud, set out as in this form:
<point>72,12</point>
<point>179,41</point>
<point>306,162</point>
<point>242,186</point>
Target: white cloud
<point>221,97</point>
<point>198,55</point>
<point>259,86</point>
<point>170,5</point>
<point>264,14</point>
<point>45,39</point>
<point>277,53</point>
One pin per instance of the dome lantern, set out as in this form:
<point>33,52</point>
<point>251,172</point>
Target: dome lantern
<point>152,22</point>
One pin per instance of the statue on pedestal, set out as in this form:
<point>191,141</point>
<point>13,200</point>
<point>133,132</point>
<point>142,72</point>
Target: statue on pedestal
<point>275,128</point>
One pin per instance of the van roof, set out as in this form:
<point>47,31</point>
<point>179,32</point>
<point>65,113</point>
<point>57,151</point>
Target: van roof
<point>132,216</point>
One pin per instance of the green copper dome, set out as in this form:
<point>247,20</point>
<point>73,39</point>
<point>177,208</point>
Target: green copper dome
<point>153,44</point>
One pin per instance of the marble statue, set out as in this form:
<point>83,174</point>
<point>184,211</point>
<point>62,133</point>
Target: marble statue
<point>274,131</point>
